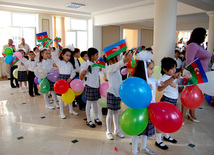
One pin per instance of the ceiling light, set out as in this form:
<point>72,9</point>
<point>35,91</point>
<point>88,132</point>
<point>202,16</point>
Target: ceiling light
<point>75,5</point>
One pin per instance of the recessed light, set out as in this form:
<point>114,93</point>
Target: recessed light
<point>75,5</point>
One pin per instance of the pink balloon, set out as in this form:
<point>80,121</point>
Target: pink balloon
<point>124,71</point>
<point>103,89</point>
<point>77,85</point>
<point>18,54</point>
<point>53,76</point>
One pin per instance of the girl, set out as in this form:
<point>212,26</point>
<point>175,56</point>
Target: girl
<point>66,72</point>
<point>170,94</point>
<point>113,98</point>
<point>48,64</point>
<point>22,72</point>
<point>144,68</point>
<point>92,93</point>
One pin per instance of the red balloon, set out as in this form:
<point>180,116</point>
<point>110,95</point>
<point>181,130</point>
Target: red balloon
<point>128,64</point>
<point>61,86</point>
<point>132,71</point>
<point>165,116</point>
<point>192,97</point>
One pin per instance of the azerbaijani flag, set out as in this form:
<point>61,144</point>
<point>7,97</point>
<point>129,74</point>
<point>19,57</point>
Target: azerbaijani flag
<point>186,81</point>
<point>57,39</point>
<point>115,49</point>
<point>13,47</point>
<point>99,63</point>
<point>41,37</point>
<point>4,55</point>
<point>46,43</point>
<point>60,49</point>
<point>197,71</point>
<point>181,41</point>
<point>14,61</point>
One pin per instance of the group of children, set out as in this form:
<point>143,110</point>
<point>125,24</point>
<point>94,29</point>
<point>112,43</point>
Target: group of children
<point>70,67</point>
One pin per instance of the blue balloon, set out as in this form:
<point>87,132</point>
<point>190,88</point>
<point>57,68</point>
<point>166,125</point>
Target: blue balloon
<point>8,59</point>
<point>39,80</point>
<point>83,98</point>
<point>135,93</point>
<point>208,98</point>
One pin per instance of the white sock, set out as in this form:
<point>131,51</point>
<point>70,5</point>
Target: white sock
<point>115,120</point>
<point>70,107</point>
<point>95,108</point>
<point>87,110</point>
<point>158,138</point>
<point>46,98</point>
<point>108,120</point>
<point>53,94</point>
<point>166,135</point>
<point>135,140</point>
<point>143,141</point>
<point>61,105</point>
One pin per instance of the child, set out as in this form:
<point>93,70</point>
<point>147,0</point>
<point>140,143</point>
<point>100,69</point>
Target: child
<point>92,93</point>
<point>46,63</point>
<point>66,72</point>
<point>178,61</point>
<point>22,71</point>
<point>31,65</point>
<point>113,98</point>
<point>84,55</point>
<point>144,70</point>
<point>170,94</point>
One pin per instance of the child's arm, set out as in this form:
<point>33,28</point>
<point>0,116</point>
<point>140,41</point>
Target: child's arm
<point>169,81</point>
<point>82,75</point>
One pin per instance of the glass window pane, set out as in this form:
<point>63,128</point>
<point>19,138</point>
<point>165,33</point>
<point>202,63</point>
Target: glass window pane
<point>67,23</point>
<point>25,20</point>
<point>78,24</point>
<point>82,38</point>
<point>5,18</point>
<point>70,38</point>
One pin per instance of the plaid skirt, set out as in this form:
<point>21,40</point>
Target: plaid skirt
<point>63,77</point>
<point>91,94</point>
<point>22,76</point>
<point>51,85</point>
<point>113,102</point>
<point>167,99</point>
<point>150,130</point>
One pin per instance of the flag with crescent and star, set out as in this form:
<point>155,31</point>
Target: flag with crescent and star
<point>99,63</point>
<point>197,71</point>
<point>115,49</point>
<point>41,37</point>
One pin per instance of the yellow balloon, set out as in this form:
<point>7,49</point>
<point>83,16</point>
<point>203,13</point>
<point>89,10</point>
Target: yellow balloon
<point>157,72</point>
<point>69,96</point>
<point>80,59</point>
<point>15,73</point>
<point>123,106</point>
<point>78,93</point>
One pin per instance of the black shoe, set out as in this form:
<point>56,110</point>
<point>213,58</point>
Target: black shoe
<point>168,139</point>
<point>37,94</point>
<point>91,124</point>
<point>104,111</point>
<point>162,147</point>
<point>17,86</point>
<point>31,95</point>
<point>13,86</point>
<point>98,121</point>
<point>83,109</point>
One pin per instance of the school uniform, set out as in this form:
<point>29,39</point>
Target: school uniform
<point>22,70</point>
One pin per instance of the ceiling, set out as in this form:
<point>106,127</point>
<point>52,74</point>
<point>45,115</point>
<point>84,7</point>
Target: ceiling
<point>98,6</point>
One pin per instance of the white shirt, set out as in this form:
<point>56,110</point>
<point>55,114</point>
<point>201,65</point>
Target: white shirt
<point>179,63</point>
<point>77,69</point>
<point>31,65</point>
<point>114,77</point>
<point>48,64</point>
<point>169,91</point>
<point>64,68</point>
<point>22,67</point>
<point>26,47</point>
<point>155,83</point>
<point>6,46</point>
<point>93,77</point>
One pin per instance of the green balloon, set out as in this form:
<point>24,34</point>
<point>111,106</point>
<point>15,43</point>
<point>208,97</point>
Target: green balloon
<point>157,72</point>
<point>8,51</point>
<point>134,121</point>
<point>102,102</point>
<point>133,63</point>
<point>44,86</point>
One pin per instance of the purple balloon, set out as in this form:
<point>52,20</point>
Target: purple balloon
<point>53,76</point>
<point>36,80</point>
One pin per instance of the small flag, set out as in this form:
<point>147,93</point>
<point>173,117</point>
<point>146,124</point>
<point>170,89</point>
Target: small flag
<point>41,37</point>
<point>115,49</point>
<point>46,43</point>
<point>197,71</point>
<point>13,47</point>
<point>186,81</point>
<point>14,61</point>
<point>4,55</point>
<point>181,41</point>
<point>57,39</point>
<point>99,63</point>
<point>60,49</point>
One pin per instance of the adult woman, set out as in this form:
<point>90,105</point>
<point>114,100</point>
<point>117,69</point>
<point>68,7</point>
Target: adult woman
<point>195,50</point>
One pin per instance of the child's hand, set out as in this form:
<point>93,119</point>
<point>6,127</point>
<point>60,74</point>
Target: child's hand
<point>84,72</point>
<point>128,57</point>
<point>177,75</point>
<point>150,86</point>
<point>22,64</point>
<point>173,85</point>
<point>69,80</point>
<point>54,65</point>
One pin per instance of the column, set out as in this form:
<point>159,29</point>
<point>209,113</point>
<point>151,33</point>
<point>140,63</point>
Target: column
<point>164,29</point>
<point>211,32</point>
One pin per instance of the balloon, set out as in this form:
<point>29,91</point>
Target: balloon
<point>191,97</point>
<point>44,86</point>
<point>77,85</point>
<point>8,59</point>
<point>69,96</point>
<point>133,63</point>
<point>102,102</point>
<point>157,72</point>
<point>165,116</point>
<point>8,51</point>
<point>80,59</point>
<point>207,87</point>
<point>37,87</point>
<point>135,93</point>
<point>104,78</point>
<point>134,121</point>
<point>56,69</point>
<point>123,106</point>
<point>39,80</point>
<point>132,71</point>
<point>53,76</point>
<point>124,71</point>
<point>36,80</point>
<point>61,86</point>
<point>208,98</point>
<point>15,73</point>
<point>18,54</point>
<point>40,72</point>
<point>103,89</point>
<point>78,93</point>
<point>83,99</point>
<point>128,64</point>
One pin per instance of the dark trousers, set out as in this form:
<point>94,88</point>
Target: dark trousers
<point>80,102</point>
<point>12,77</point>
<point>31,83</point>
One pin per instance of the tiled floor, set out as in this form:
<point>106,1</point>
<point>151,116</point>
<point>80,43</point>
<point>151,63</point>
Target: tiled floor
<point>53,135</point>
